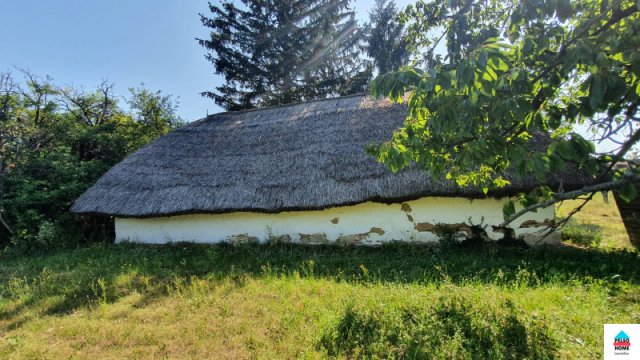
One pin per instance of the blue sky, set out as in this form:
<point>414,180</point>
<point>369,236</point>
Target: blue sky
<point>127,42</point>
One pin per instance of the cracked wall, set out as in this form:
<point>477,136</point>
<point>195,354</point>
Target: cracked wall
<point>362,224</point>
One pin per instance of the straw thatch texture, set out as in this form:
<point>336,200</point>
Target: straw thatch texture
<point>297,157</point>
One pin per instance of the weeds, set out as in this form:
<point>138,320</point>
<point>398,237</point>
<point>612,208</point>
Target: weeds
<point>100,292</point>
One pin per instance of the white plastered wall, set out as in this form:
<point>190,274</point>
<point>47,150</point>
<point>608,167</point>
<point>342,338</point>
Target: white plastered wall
<point>367,223</point>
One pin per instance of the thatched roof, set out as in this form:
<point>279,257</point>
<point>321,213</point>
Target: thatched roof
<point>296,157</point>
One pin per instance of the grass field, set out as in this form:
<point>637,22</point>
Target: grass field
<point>600,216</point>
<point>283,301</point>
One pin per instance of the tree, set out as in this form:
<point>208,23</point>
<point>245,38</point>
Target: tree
<point>10,132</point>
<point>386,39</point>
<point>56,142</point>
<point>282,51</point>
<point>157,113</point>
<point>511,69</point>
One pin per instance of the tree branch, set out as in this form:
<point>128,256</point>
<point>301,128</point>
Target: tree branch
<point>5,225</point>
<point>621,153</point>
<point>605,186</point>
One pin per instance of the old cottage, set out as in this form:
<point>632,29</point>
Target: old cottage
<point>294,173</point>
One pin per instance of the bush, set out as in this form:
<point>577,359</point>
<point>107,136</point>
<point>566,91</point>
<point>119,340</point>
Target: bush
<point>451,327</point>
<point>582,234</point>
<point>57,148</point>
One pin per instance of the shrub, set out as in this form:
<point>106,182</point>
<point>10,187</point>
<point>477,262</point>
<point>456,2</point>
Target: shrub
<point>56,151</point>
<point>451,327</point>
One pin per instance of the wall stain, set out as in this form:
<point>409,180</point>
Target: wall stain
<point>335,220</point>
<point>242,239</point>
<point>357,239</point>
<point>425,226</point>
<point>534,223</point>
<point>407,210</point>
<point>376,230</point>
<point>320,238</point>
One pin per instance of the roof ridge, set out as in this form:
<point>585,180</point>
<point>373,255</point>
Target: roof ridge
<point>285,105</point>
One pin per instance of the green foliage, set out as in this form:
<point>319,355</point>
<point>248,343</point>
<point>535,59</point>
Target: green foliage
<point>510,70</point>
<point>452,326</point>
<point>508,208</point>
<point>279,52</point>
<point>386,37</point>
<point>155,112</point>
<point>582,234</point>
<point>628,192</point>
<point>54,144</point>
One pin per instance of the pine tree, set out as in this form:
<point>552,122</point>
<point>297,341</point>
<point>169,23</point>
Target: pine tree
<point>386,38</point>
<point>273,52</point>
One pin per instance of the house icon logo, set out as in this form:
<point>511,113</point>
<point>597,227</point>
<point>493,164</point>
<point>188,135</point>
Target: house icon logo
<point>617,341</point>
<point>621,342</point>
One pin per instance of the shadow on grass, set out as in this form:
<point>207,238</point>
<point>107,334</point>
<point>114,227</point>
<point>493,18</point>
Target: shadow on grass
<point>582,234</point>
<point>64,281</point>
<point>451,326</point>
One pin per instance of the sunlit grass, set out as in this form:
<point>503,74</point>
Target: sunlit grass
<point>602,214</point>
<point>188,301</point>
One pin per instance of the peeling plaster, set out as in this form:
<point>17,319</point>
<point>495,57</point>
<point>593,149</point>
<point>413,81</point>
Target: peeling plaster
<point>534,223</point>
<point>407,210</point>
<point>320,238</point>
<point>242,239</point>
<point>357,239</point>
<point>434,228</point>
<point>316,227</point>
<point>376,230</point>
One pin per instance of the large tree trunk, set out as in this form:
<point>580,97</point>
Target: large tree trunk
<point>630,213</point>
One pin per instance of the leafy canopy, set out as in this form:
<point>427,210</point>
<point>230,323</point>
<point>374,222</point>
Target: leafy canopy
<point>55,142</point>
<point>490,74</point>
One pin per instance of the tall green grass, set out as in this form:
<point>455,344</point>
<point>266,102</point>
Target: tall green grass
<point>287,301</point>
